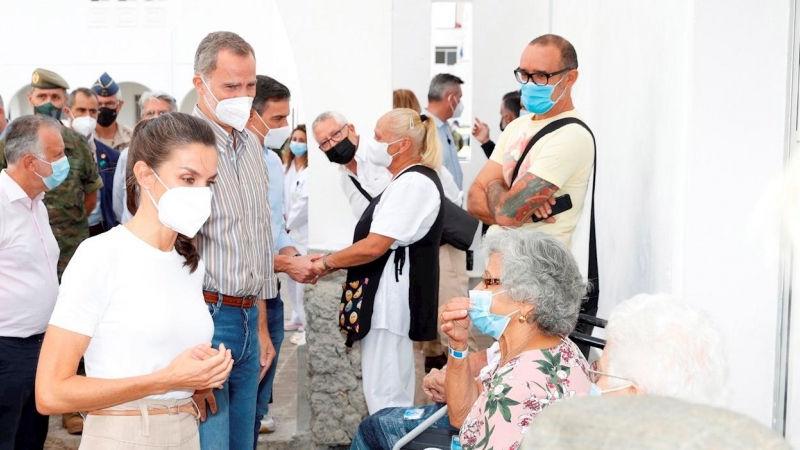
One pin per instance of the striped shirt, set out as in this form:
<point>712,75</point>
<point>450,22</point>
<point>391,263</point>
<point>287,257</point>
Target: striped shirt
<point>236,241</point>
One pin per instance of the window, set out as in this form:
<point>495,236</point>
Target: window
<point>446,55</point>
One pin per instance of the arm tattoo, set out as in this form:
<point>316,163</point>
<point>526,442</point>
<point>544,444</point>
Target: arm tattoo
<point>494,193</point>
<point>527,194</point>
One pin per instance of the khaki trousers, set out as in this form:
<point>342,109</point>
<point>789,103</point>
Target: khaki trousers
<point>453,280</point>
<point>163,431</point>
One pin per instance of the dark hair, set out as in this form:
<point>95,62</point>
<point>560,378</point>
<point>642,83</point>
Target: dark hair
<point>153,142</point>
<point>73,95</point>
<point>442,84</point>
<point>268,89</point>
<point>287,154</point>
<point>511,102</point>
<point>569,57</point>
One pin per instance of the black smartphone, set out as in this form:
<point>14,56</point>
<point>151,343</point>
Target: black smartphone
<point>563,203</point>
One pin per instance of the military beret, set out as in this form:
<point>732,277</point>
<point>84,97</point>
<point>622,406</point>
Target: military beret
<point>105,86</point>
<point>47,79</point>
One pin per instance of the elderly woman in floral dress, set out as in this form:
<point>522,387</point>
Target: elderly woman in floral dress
<point>528,301</point>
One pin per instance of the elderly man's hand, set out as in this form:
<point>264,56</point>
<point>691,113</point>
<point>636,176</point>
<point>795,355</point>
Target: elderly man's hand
<point>455,321</point>
<point>480,131</point>
<point>434,384</point>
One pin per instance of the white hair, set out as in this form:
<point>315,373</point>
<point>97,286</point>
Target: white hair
<point>666,348</point>
<point>158,95</point>
<point>336,116</point>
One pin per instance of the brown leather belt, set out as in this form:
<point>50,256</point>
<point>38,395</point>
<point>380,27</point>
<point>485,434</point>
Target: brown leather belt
<point>187,408</point>
<point>227,300</point>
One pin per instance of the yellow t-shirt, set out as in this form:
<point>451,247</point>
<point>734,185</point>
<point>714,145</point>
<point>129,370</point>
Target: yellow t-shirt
<point>563,157</point>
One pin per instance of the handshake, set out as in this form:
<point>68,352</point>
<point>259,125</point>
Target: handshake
<point>306,269</point>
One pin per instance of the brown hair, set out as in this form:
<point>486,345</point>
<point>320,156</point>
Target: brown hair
<point>153,142</point>
<point>405,98</point>
<point>287,154</point>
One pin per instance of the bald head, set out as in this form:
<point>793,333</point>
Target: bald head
<point>569,57</point>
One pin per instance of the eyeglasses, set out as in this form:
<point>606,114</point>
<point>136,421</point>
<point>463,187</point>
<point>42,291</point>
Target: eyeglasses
<point>491,281</point>
<point>335,138</point>
<point>152,114</point>
<point>537,78</point>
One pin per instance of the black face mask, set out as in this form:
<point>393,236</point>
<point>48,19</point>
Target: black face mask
<point>342,153</point>
<point>106,117</point>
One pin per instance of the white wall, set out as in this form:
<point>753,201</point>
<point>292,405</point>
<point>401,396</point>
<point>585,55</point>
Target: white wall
<point>411,46</point>
<point>150,43</point>
<point>682,159</point>
<point>345,66</point>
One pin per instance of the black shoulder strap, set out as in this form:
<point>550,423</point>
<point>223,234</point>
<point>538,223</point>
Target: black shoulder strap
<point>360,188</point>
<point>593,272</point>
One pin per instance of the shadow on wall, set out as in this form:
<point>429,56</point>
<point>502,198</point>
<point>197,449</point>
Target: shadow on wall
<point>188,102</point>
<point>18,105</point>
<point>131,91</point>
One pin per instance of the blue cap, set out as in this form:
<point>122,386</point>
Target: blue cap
<point>105,86</point>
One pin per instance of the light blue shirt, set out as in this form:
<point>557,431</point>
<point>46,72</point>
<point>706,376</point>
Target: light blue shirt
<point>275,172</point>
<point>449,150</point>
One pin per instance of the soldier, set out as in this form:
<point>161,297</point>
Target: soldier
<point>109,131</point>
<point>67,204</point>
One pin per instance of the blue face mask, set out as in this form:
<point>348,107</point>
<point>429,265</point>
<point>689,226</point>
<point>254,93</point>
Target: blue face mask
<point>60,172</point>
<point>298,148</point>
<point>487,323</point>
<point>538,99</point>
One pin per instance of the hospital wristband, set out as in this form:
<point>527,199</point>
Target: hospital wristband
<point>458,354</point>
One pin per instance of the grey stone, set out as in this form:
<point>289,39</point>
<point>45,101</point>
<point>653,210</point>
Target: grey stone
<point>335,393</point>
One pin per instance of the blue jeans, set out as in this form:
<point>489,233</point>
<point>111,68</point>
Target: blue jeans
<point>21,426</point>
<point>275,325</point>
<point>231,427</point>
<point>384,428</point>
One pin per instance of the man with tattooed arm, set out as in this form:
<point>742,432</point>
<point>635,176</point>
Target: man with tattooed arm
<point>511,193</point>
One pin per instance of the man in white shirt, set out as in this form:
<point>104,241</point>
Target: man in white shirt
<point>28,280</point>
<point>360,180</point>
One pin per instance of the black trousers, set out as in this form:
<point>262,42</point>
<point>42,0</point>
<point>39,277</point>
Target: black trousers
<point>21,425</point>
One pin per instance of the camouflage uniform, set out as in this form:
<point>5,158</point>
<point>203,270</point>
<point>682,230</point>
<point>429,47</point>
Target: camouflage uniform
<point>65,203</point>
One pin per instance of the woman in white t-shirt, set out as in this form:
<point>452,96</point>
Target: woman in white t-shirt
<point>131,304</point>
<point>393,262</point>
<point>295,209</point>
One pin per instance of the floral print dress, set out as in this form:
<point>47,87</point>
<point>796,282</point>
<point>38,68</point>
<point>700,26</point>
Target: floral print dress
<point>516,392</point>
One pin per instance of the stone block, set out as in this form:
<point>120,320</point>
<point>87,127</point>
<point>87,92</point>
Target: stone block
<point>335,392</point>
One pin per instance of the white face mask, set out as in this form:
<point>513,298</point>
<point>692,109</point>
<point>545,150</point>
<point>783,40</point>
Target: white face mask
<point>183,209</point>
<point>84,125</point>
<point>458,110</point>
<point>377,152</point>
<point>275,137</point>
<point>234,112</point>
